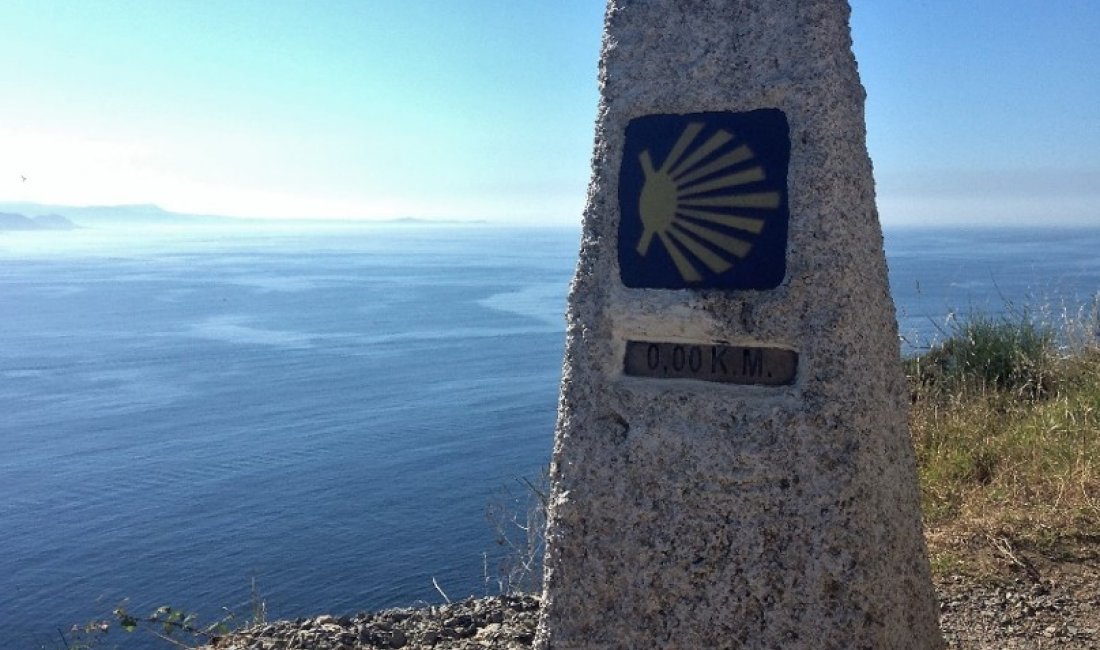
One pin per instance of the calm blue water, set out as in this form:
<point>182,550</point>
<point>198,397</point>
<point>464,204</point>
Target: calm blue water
<point>328,412</point>
<point>1049,273</point>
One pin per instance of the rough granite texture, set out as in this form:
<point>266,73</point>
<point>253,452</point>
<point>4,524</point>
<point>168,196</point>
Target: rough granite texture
<point>695,515</point>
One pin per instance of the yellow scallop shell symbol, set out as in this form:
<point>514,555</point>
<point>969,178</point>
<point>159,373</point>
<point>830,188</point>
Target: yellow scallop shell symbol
<point>692,189</point>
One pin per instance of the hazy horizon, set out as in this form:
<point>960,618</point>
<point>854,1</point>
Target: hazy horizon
<point>976,112</point>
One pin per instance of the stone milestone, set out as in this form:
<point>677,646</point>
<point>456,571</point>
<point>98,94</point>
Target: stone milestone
<point>732,466</point>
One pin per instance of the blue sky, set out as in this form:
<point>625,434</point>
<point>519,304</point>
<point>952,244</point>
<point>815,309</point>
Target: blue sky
<point>985,111</point>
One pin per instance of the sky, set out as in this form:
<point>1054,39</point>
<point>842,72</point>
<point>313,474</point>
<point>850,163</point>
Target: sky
<point>978,112</point>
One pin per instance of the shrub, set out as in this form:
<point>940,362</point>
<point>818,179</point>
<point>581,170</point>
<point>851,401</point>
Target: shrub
<point>1010,353</point>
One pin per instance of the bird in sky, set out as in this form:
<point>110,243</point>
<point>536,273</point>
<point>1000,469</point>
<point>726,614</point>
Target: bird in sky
<point>23,177</point>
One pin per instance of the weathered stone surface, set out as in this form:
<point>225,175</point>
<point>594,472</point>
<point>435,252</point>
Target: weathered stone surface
<point>696,514</point>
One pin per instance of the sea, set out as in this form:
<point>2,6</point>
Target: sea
<point>334,418</point>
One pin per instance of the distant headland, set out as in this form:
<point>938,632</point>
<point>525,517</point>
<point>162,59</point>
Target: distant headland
<point>39,216</point>
<point>13,221</point>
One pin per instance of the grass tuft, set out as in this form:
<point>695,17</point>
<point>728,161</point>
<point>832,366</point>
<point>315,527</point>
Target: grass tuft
<point>1013,354</point>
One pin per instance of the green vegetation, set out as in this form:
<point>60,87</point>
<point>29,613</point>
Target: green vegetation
<point>1005,418</point>
<point>170,625</point>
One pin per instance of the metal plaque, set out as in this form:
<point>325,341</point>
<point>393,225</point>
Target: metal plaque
<point>703,201</point>
<point>726,364</point>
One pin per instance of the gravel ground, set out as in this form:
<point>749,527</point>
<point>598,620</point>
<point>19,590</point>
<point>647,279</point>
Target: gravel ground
<point>500,622</point>
<point>1061,610</point>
